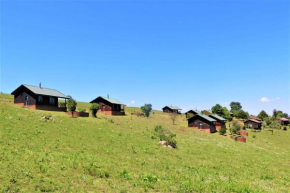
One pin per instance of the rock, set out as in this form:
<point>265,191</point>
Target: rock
<point>162,142</point>
<point>169,146</point>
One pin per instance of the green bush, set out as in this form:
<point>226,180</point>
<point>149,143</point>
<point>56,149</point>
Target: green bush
<point>166,135</point>
<point>82,110</point>
<point>222,131</point>
<point>94,108</point>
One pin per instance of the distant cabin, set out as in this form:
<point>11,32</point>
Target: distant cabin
<point>191,113</point>
<point>39,98</point>
<point>206,112</point>
<point>109,106</point>
<point>220,121</point>
<point>253,123</point>
<point>284,121</point>
<point>171,109</point>
<point>202,122</point>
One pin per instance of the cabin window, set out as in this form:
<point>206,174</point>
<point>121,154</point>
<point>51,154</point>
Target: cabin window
<point>40,99</point>
<point>51,100</point>
<point>26,98</point>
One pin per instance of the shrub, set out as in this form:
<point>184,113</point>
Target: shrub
<point>71,104</point>
<point>125,175</point>
<point>238,125</point>
<point>82,110</point>
<point>166,135</point>
<point>94,108</point>
<point>222,131</point>
<point>146,109</point>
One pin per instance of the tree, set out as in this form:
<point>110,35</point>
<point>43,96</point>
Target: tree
<point>218,109</point>
<point>263,115</point>
<point>227,114</point>
<point>72,105</point>
<point>146,109</point>
<point>274,113</point>
<point>173,117</point>
<point>236,106</point>
<point>242,114</point>
<point>94,108</point>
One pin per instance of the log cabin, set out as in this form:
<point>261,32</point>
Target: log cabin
<point>191,113</point>
<point>171,109</point>
<point>220,121</point>
<point>109,106</point>
<point>39,98</point>
<point>284,121</point>
<point>202,122</point>
<point>253,123</point>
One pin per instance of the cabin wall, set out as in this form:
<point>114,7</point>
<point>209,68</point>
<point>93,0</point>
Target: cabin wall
<point>45,101</point>
<point>206,126</point>
<point>19,98</point>
<point>253,125</point>
<point>167,110</point>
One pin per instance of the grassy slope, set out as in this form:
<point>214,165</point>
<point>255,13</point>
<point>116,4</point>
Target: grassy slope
<point>73,154</point>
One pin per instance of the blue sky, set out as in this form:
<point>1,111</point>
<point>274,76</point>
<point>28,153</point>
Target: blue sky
<point>192,54</point>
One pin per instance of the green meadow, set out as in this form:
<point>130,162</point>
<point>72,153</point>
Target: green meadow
<point>122,154</point>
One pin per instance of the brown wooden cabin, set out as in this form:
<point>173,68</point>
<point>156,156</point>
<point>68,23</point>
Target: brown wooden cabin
<point>220,121</point>
<point>191,113</point>
<point>284,121</point>
<point>39,98</point>
<point>253,123</point>
<point>202,122</point>
<point>206,112</point>
<point>109,106</point>
<point>171,109</point>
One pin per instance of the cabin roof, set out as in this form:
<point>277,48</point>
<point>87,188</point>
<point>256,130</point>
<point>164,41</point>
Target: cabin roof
<point>218,117</point>
<point>173,107</point>
<point>110,100</point>
<point>43,91</point>
<point>195,111</point>
<point>253,120</point>
<point>203,116</point>
<point>284,119</point>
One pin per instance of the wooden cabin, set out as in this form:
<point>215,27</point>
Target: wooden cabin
<point>191,113</point>
<point>220,121</point>
<point>202,122</point>
<point>206,112</point>
<point>171,109</point>
<point>284,121</point>
<point>253,123</point>
<point>39,98</point>
<point>109,106</point>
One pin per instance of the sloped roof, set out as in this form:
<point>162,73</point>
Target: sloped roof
<point>195,111</point>
<point>253,120</point>
<point>204,116</point>
<point>284,119</point>
<point>217,117</point>
<point>110,100</point>
<point>173,107</point>
<point>43,91</point>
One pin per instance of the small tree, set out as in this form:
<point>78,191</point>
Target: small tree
<point>238,125</point>
<point>263,115</point>
<point>146,109</point>
<point>173,117</point>
<point>72,105</point>
<point>218,109</point>
<point>94,108</point>
<point>236,106</point>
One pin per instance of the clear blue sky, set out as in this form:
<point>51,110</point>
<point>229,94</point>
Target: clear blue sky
<point>192,54</point>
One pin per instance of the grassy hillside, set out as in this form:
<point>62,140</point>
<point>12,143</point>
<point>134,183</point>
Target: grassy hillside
<point>121,154</point>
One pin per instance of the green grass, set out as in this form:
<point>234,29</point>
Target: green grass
<point>121,154</point>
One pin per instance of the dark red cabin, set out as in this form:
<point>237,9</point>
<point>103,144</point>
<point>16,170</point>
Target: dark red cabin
<point>191,113</point>
<point>39,98</point>
<point>202,122</point>
<point>284,121</point>
<point>220,121</point>
<point>171,109</point>
<point>109,106</point>
<point>253,123</point>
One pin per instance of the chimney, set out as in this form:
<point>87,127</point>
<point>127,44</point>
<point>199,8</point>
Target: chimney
<point>40,85</point>
<point>108,96</point>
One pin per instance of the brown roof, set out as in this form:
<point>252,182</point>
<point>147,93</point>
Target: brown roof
<point>284,119</point>
<point>253,120</point>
